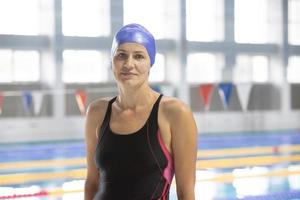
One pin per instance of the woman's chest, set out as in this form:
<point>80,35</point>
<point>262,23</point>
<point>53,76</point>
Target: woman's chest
<point>127,122</point>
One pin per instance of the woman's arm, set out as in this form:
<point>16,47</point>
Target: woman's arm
<point>94,117</point>
<point>184,149</point>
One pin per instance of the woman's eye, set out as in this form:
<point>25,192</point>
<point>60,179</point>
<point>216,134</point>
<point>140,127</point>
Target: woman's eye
<point>139,56</point>
<point>121,56</point>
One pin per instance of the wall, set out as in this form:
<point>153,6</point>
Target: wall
<point>266,110</point>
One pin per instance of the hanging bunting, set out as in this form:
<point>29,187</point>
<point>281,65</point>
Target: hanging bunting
<point>205,91</point>
<point>37,100</point>
<point>27,100</point>
<point>81,98</point>
<point>1,101</point>
<point>156,88</point>
<point>225,91</point>
<point>243,91</point>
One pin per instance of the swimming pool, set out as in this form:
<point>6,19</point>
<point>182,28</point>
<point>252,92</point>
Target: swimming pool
<point>246,165</point>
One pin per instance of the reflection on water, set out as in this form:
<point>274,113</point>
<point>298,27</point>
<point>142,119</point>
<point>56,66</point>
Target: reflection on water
<point>294,180</point>
<point>246,182</point>
<point>251,186</point>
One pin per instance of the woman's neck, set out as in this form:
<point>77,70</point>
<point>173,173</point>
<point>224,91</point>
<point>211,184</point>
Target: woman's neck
<point>133,99</point>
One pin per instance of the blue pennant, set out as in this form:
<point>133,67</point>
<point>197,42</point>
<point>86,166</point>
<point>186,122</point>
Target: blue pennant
<point>27,100</point>
<point>226,89</point>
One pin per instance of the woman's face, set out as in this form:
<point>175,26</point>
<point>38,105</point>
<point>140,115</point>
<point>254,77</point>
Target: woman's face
<point>131,64</point>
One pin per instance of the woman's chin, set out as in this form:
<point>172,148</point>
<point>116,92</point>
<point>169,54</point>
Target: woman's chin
<point>127,81</point>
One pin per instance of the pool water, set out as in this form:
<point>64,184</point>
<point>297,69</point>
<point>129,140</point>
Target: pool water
<point>246,165</point>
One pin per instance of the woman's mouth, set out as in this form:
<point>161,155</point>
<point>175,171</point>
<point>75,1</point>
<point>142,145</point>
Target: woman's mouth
<point>125,74</point>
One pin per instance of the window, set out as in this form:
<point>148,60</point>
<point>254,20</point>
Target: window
<point>19,17</point>
<point>293,69</point>
<point>294,21</point>
<point>16,66</point>
<point>156,15</point>
<point>84,66</point>
<point>252,21</point>
<point>204,20</point>
<point>204,68</point>
<point>86,17</point>
<point>157,72</point>
<point>251,68</point>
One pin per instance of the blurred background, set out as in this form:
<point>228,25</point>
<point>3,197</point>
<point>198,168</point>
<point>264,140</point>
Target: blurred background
<point>235,62</point>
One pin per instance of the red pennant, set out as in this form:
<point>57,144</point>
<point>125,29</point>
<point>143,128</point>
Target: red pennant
<point>81,98</point>
<point>206,93</point>
<point>1,101</point>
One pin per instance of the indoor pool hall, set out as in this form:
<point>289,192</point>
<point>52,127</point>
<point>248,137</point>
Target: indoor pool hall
<point>149,99</point>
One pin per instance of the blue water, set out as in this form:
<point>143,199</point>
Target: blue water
<point>264,188</point>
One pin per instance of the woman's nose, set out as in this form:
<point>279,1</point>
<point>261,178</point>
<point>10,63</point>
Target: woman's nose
<point>129,62</point>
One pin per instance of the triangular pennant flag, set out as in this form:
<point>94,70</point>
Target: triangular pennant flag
<point>243,91</point>
<point>156,88</point>
<point>225,91</point>
<point>27,101</point>
<point>205,92</point>
<point>81,98</point>
<point>37,100</point>
<point>1,101</point>
<point>168,90</point>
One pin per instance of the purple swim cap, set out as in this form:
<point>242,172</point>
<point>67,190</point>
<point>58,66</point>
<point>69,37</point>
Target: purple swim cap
<point>135,33</point>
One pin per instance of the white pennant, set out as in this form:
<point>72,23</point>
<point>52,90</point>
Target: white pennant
<point>243,91</point>
<point>168,90</point>
<point>37,100</point>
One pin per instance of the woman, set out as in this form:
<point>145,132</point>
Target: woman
<point>137,140</point>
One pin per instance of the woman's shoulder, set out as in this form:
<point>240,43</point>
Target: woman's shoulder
<point>172,106</point>
<point>98,106</point>
<point>178,115</point>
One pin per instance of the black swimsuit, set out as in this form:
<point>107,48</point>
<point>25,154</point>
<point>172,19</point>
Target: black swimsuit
<point>136,166</point>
